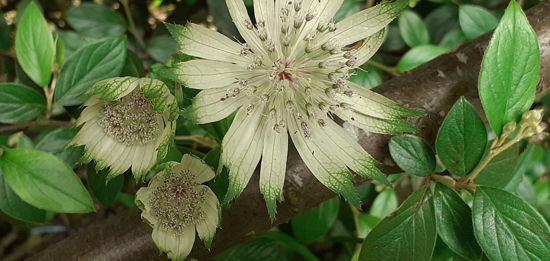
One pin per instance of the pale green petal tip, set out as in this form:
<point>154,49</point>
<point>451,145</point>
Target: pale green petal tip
<point>178,32</point>
<point>400,126</point>
<point>271,204</point>
<point>234,189</point>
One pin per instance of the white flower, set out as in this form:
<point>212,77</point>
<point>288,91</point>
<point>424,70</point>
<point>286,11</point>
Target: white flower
<point>290,76</point>
<point>175,204</point>
<point>128,122</point>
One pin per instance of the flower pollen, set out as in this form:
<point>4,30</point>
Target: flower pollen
<point>130,119</point>
<point>177,201</point>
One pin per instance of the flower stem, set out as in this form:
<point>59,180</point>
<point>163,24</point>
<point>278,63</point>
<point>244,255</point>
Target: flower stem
<point>391,70</point>
<point>131,25</point>
<point>48,92</point>
<point>497,147</point>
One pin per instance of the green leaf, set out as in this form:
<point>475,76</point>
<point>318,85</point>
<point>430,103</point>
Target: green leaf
<point>507,83</point>
<point>461,139</point>
<point>419,55</point>
<point>368,78</point>
<point>105,191</point>
<point>542,190</point>
<point>442,20</point>
<point>393,41</point>
<point>95,62</point>
<point>384,204</point>
<point>413,30</point>
<point>162,47</point>
<point>454,223</point>
<point>500,170</point>
<point>348,8</point>
<point>15,207</point>
<point>270,246</point>
<point>524,162</point>
<point>34,46</point>
<point>20,103</point>
<point>133,66</point>
<point>73,41</point>
<point>453,39</point>
<point>55,142</point>
<point>44,181</point>
<point>476,21</point>
<point>315,223</point>
<point>365,224</point>
<point>59,52</point>
<point>507,228</point>
<point>412,155</point>
<point>96,20</point>
<point>410,234</point>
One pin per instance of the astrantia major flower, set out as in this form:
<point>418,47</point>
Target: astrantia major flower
<point>128,122</point>
<point>291,76</point>
<point>175,204</point>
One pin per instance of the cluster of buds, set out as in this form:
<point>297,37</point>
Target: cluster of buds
<point>529,126</point>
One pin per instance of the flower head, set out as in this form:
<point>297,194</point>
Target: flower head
<point>175,204</point>
<point>291,76</point>
<point>128,122</point>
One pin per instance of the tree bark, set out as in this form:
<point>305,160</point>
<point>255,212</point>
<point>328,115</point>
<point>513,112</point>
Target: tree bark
<point>432,88</point>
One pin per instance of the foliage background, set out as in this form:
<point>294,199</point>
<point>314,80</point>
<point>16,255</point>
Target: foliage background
<point>329,232</point>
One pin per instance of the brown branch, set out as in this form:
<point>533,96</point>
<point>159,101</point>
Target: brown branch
<point>433,88</point>
<point>31,124</point>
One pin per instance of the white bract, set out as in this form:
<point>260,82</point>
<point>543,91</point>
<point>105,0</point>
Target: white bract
<point>291,76</point>
<point>128,122</point>
<point>175,204</point>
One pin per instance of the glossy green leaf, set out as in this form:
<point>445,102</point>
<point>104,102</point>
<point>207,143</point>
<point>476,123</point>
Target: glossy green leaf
<point>524,162</point>
<point>20,103</point>
<point>454,223</point>
<point>368,78</point>
<point>44,181</point>
<point>500,170</point>
<point>270,246</point>
<point>409,234</point>
<point>476,21</point>
<point>453,39</point>
<point>366,223</point>
<point>412,29</point>
<point>59,52</point>
<point>162,47</point>
<point>96,20</point>
<point>412,155</point>
<point>442,20</point>
<point>507,228</point>
<point>73,41</point>
<point>315,223</point>
<point>34,46</point>
<point>105,191</point>
<point>461,139</point>
<point>507,83</point>
<point>133,66</point>
<point>384,204</point>
<point>55,142</point>
<point>15,207</point>
<point>419,55</point>
<point>97,61</point>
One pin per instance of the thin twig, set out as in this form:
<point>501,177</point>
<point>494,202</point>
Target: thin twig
<point>131,25</point>
<point>7,54</point>
<point>391,70</point>
<point>21,126</point>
